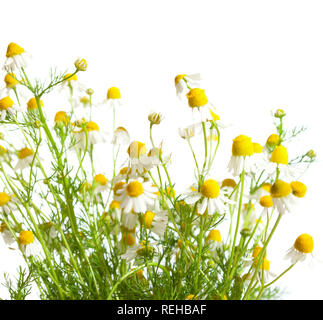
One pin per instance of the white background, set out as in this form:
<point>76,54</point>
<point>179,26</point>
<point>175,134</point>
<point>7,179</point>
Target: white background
<point>254,57</point>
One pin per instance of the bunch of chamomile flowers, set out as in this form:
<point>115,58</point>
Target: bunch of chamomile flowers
<point>127,232</point>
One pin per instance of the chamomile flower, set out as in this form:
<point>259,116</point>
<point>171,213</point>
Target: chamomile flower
<point>12,84</point>
<point>114,207</point>
<point>184,81</point>
<point>72,84</point>
<point>190,131</point>
<point>100,183</point>
<point>155,118</point>
<point>88,135</point>
<point>266,202</point>
<point>121,137</point>
<point>228,185</point>
<point>32,105</point>
<point>28,244</point>
<point>8,202</point>
<point>139,160</point>
<point>281,193</point>
<point>302,249</point>
<point>136,195</point>
<point>213,240</point>
<point>141,250</point>
<point>7,105</point>
<point>155,221</point>
<point>6,234</point>
<point>25,158</point>
<point>61,119</point>
<point>113,99</point>
<point>129,220</point>
<point>279,161</point>
<point>199,103</point>
<point>125,173</point>
<point>242,152</point>
<point>17,57</point>
<point>213,198</point>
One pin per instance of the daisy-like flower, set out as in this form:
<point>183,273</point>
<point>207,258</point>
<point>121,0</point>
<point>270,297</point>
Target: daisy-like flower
<point>32,104</point>
<point>16,57</point>
<point>8,202</point>
<point>6,234</point>
<point>136,195</point>
<point>281,193</point>
<point>155,221</point>
<point>260,160</point>
<point>139,160</point>
<point>213,198</point>
<point>25,158</point>
<point>12,84</point>
<point>100,183</point>
<point>263,190</point>
<point>114,207</point>
<point>242,152</point>
<point>183,81</point>
<point>140,250</point>
<point>7,105</point>
<point>199,103</point>
<point>228,185</point>
<point>125,173</point>
<point>264,272</point>
<point>113,98</point>
<point>302,248</point>
<point>279,160</point>
<point>88,135</point>
<point>28,244</point>
<point>190,131</point>
<point>267,204</point>
<point>61,119</point>
<point>272,141</point>
<point>213,240</point>
<point>72,84</point>
<point>121,137</point>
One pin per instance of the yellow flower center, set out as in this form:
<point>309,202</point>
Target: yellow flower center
<point>14,50</point>
<point>179,77</point>
<point>148,219</point>
<point>4,198</point>
<point>10,80</point>
<point>24,153</point>
<point>192,297</point>
<point>6,103</point>
<point>114,204</point>
<point>70,77</point>
<point>304,243</point>
<point>210,188</point>
<point>266,187</point>
<point>128,239</point>
<point>214,235</point>
<point>85,100</point>
<point>257,148</point>
<point>228,183</point>
<point>136,149</point>
<point>32,104</point>
<point>101,179</point>
<point>61,116</point>
<point>279,155</point>
<point>113,93</point>
<point>92,126</point>
<point>196,98</point>
<point>125,170</point>
<point>134,189</point>
<point>118,186</point>
<point>256,252</point>
<point>242,146</point>
<point>266,201</point>
<point>249,206</point>
<point>273,140</point>
<point>26,237</point>
<point>280,189</point>
<point>264,266</point>
<point>298,188</point>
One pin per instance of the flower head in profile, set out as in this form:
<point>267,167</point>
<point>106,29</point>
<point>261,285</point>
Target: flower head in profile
<point>155,221</point>
<point>16,57</point>
<point>183,82</point>
<point>80,64</point>
<point>303,248</point>
<point>25,158</point>
<point>29,244</point>
<point>242,152</point>
<point>88,135</point>
<point>7,106</point>
<point>121,136</point>
<point>113,98</point>
<point>8,202</point>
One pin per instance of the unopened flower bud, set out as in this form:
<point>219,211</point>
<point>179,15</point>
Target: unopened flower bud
<point>90,91</point>
<point>155,118</point>
<point>311,154</point>
<point>80,64</point>
<point>279,113</point>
